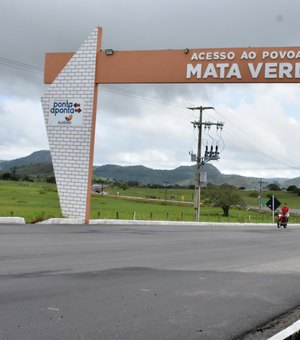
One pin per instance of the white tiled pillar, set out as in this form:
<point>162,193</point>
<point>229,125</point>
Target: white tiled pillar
<point>69,108</point>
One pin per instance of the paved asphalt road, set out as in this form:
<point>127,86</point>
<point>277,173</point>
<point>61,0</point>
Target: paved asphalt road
<point>144,282</point>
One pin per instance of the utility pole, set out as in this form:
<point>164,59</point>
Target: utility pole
<point>260,182</point>
<point>198,124</point>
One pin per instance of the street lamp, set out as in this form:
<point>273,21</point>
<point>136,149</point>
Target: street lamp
<point>109,51</point>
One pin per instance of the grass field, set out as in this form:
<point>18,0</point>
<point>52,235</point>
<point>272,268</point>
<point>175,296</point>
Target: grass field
<point>39,201</point>
<point>33,201</point>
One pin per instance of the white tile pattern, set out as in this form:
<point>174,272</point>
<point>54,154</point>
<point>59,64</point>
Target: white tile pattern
<point>70,145</point>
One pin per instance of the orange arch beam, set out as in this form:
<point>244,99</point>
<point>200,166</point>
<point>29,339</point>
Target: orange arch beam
<point>249,65</point>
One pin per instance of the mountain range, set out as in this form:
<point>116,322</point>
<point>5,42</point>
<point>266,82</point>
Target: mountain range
<point>39,162</point>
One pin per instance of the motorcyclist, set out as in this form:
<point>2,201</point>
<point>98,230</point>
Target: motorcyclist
<point>285,211</point>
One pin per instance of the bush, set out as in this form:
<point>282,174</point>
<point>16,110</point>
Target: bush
<point>253,194</point>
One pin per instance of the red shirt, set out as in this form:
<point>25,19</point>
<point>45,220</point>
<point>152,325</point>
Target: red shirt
<point>284,210</point>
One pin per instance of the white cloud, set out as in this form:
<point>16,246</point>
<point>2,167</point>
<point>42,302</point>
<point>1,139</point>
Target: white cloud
<point>22,128</point>
<point>260,135</point>
<point>149,124</point>
<point>148,157</point>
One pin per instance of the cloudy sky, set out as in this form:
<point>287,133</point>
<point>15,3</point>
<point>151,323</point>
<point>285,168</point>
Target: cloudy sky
<point>149,124</point>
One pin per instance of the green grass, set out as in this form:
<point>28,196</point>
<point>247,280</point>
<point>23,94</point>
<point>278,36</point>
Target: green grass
<point>171,194</point>
<point>33,201</point>
<point>290,198</point>
<point>117,208</point>
<point>106,207</point>
<point>179,194</point>
<point>39,201</point>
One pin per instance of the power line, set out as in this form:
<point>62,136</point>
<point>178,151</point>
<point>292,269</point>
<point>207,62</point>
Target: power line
<point>142,96</point>
<point>21,66</point>
<point>235,132</point>
<point>235,129</point>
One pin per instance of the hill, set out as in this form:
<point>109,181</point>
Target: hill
<point>36,170</point>
<point>39,164</point>
<point>293,181</point>
<point>35,157</point>
<point>183,175</point>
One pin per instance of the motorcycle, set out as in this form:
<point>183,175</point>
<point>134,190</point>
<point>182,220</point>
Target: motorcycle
<point>282,220</point>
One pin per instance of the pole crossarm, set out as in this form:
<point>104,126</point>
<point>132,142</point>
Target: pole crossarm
<point>201,108</point>
<point>197,124</point>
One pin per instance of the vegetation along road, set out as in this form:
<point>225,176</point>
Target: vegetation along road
<point>36,201</point>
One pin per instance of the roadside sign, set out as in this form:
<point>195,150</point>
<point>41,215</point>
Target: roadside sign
<point>269,204</point>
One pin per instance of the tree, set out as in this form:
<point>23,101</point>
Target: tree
<point>27,178</point>
<point>6,176</point>
<point>10,176</point>
<point>121,184</point>
<point>50,179</point>
<point>225,196</point>
<point>292,188</point>
<point>133,183</point>
<point>273,187</point>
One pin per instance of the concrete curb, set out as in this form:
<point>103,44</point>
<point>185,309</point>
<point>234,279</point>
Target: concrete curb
<point>62,221</point>
<point>177,223</point>
<point>12,220</point>
<point>146,222</point>
<point>288,333</point>
<point>21,220</point>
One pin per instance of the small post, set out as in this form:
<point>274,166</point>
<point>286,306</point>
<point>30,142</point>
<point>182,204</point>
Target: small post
<point>273,210</point>
<point>166,183</point>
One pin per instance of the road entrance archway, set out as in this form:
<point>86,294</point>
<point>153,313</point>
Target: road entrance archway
<point>70,103</point>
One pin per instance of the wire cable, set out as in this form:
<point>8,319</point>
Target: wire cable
<point>21,66</point>
<point>238,132</point>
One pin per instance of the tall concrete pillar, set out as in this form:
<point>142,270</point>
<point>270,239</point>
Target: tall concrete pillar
<point>69,108</point>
